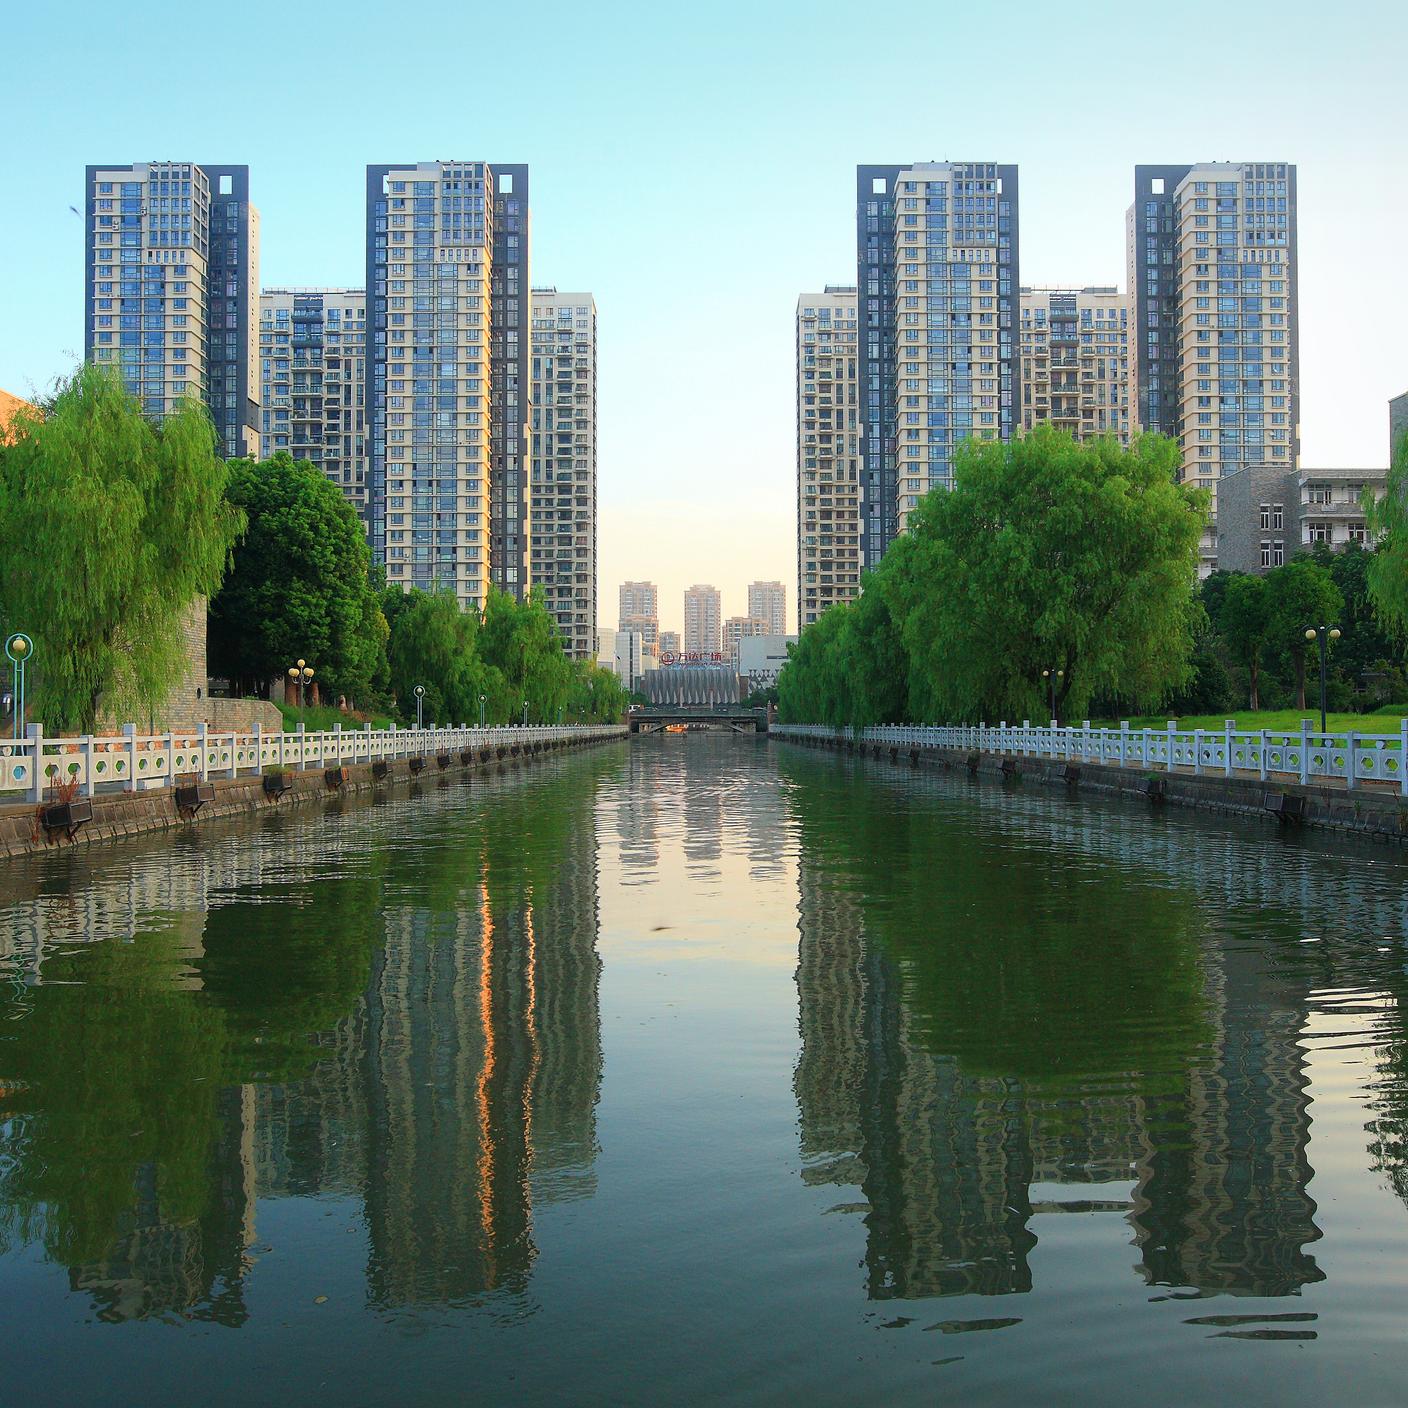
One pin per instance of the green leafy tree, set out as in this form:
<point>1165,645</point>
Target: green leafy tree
<point>434,645</point>
<point>520,640</point>
<point>110,527</point>
<point>1245,621</point>
<point>1049,554</point>
<point>300,585</point>
<point>1302,594</point>
<point>1387,521</point>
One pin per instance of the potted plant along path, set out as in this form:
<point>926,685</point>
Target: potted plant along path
<point>64,813</point>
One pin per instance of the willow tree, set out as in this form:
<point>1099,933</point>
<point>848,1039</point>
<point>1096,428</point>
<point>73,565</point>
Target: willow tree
<point>1387,519</point>
<point>1049,554</point>
<point>110,526</point>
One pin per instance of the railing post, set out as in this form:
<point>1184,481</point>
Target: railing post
<point>1085,741</point>
<point>1124,741</point>
<point>129,732</point>
<point>85,751</point>
<point>1228,726</point>
<point>1261,755</point>
<point>1304,751</point>
<point>35,733</point>
<point>170,758</point>
<point>1172,728</point>
<point>1349,760</point>
<point>302,745</point>
<point>202,738</point>
<point>259,750</point>
<point>1403,756</point>
<point>1197,752</point>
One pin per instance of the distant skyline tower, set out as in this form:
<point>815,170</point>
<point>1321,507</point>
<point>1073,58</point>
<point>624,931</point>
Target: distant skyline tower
<point>702,620</point>
<point>1075,361</point>
<point>735,628</point>
<point>449,375</point>
<point>564,510</point>
<point>313,358</point>
<point>828,452</point>
<point>937,278</point>
<point>669,643</point>
<point>1214,357</point>
<point>767,602</point>
<point>638,609</point>
<point>171,286</point>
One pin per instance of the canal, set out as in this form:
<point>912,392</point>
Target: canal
<point>705,1070</point>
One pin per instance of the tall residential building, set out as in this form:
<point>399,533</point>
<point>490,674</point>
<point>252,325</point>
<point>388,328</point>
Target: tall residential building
<point>767,602</point>
<point>702,620</point>
<point>313,378</point>
<point>669,643</point>
<point>1075,361</point>
<point>737,627</point>
<point>564,523</point>
<point>172,279</point>
<point>1215,337</point>
<point>448,367</point>
<point>938,282</point>
<point>828,453</point>
<point>638,606</point>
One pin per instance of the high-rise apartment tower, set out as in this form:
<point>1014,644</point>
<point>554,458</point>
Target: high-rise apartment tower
<point>937,290</point>
<point>767,602</point>
<point>1214,337</point>
<point>448,370</point>
<point>1075,361</point>
<point>564,523</point>
<point>313,365</point>
<point>702,620</point>
<point>171,286</point>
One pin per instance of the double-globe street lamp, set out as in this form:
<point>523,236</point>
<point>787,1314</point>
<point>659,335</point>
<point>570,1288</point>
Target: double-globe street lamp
<point>302,675</point>
<point>1324,634</point>
<point>1051,676</point>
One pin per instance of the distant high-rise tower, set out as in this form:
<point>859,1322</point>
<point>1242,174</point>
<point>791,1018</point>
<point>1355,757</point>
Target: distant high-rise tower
<point>767,602</point>
<point>737,627</point>
<point>702,620</point>
<point>172,280</point>
<point>1075,361</point>
<point>1215,336</point>
<point>828,453</point>
<point>448,372</point>
<point>937,289</point>
<point>639,610</point>
<point>669,643</point>
<point>313,356</point>
<point>564,523</point>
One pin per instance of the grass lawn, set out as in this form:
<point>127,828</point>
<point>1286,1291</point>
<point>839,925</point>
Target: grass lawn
<point>1278,721</point>
<point>322,717</point>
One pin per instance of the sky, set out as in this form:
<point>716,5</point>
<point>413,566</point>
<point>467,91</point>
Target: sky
<point>693,167</point>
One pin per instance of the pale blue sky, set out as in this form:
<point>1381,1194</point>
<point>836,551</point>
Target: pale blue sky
<point>693,168</point>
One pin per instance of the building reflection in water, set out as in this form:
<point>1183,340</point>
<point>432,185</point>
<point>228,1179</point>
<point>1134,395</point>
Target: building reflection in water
<point>453,1094</point>
<point>966,1096</point>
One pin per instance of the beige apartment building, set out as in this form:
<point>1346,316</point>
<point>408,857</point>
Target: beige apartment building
<point>313,383</point>
<point>171,288</point>
<point>703,619</point>
<point>1214,336</point>
<point>828,454</point>
<point>638,609</point>
<point>736,628</point>
<point>767,602</point>
<point>1074,352</point>
<point>564,471</point>
<point>669,643</point>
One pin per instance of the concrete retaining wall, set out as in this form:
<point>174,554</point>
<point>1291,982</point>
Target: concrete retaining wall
<point>129,813</point>
<point>1382,815</point>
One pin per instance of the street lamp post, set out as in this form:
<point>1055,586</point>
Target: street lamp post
<point>419,693</point>
<point>1324,634</point>
<point>301,674</point>
<point>1051,676</point>
<point>525,713</point>
<point>483,700</point>
<point>18,649</point>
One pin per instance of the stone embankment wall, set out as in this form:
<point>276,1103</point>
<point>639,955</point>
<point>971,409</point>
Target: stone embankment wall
<point>1374,813</point>
<point>130,813</point>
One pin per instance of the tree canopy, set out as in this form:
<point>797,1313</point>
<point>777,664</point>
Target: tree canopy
<point>110,526</point>
<point>1047,554</point>
<point>1387,521</point>
<point>300,585</point>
